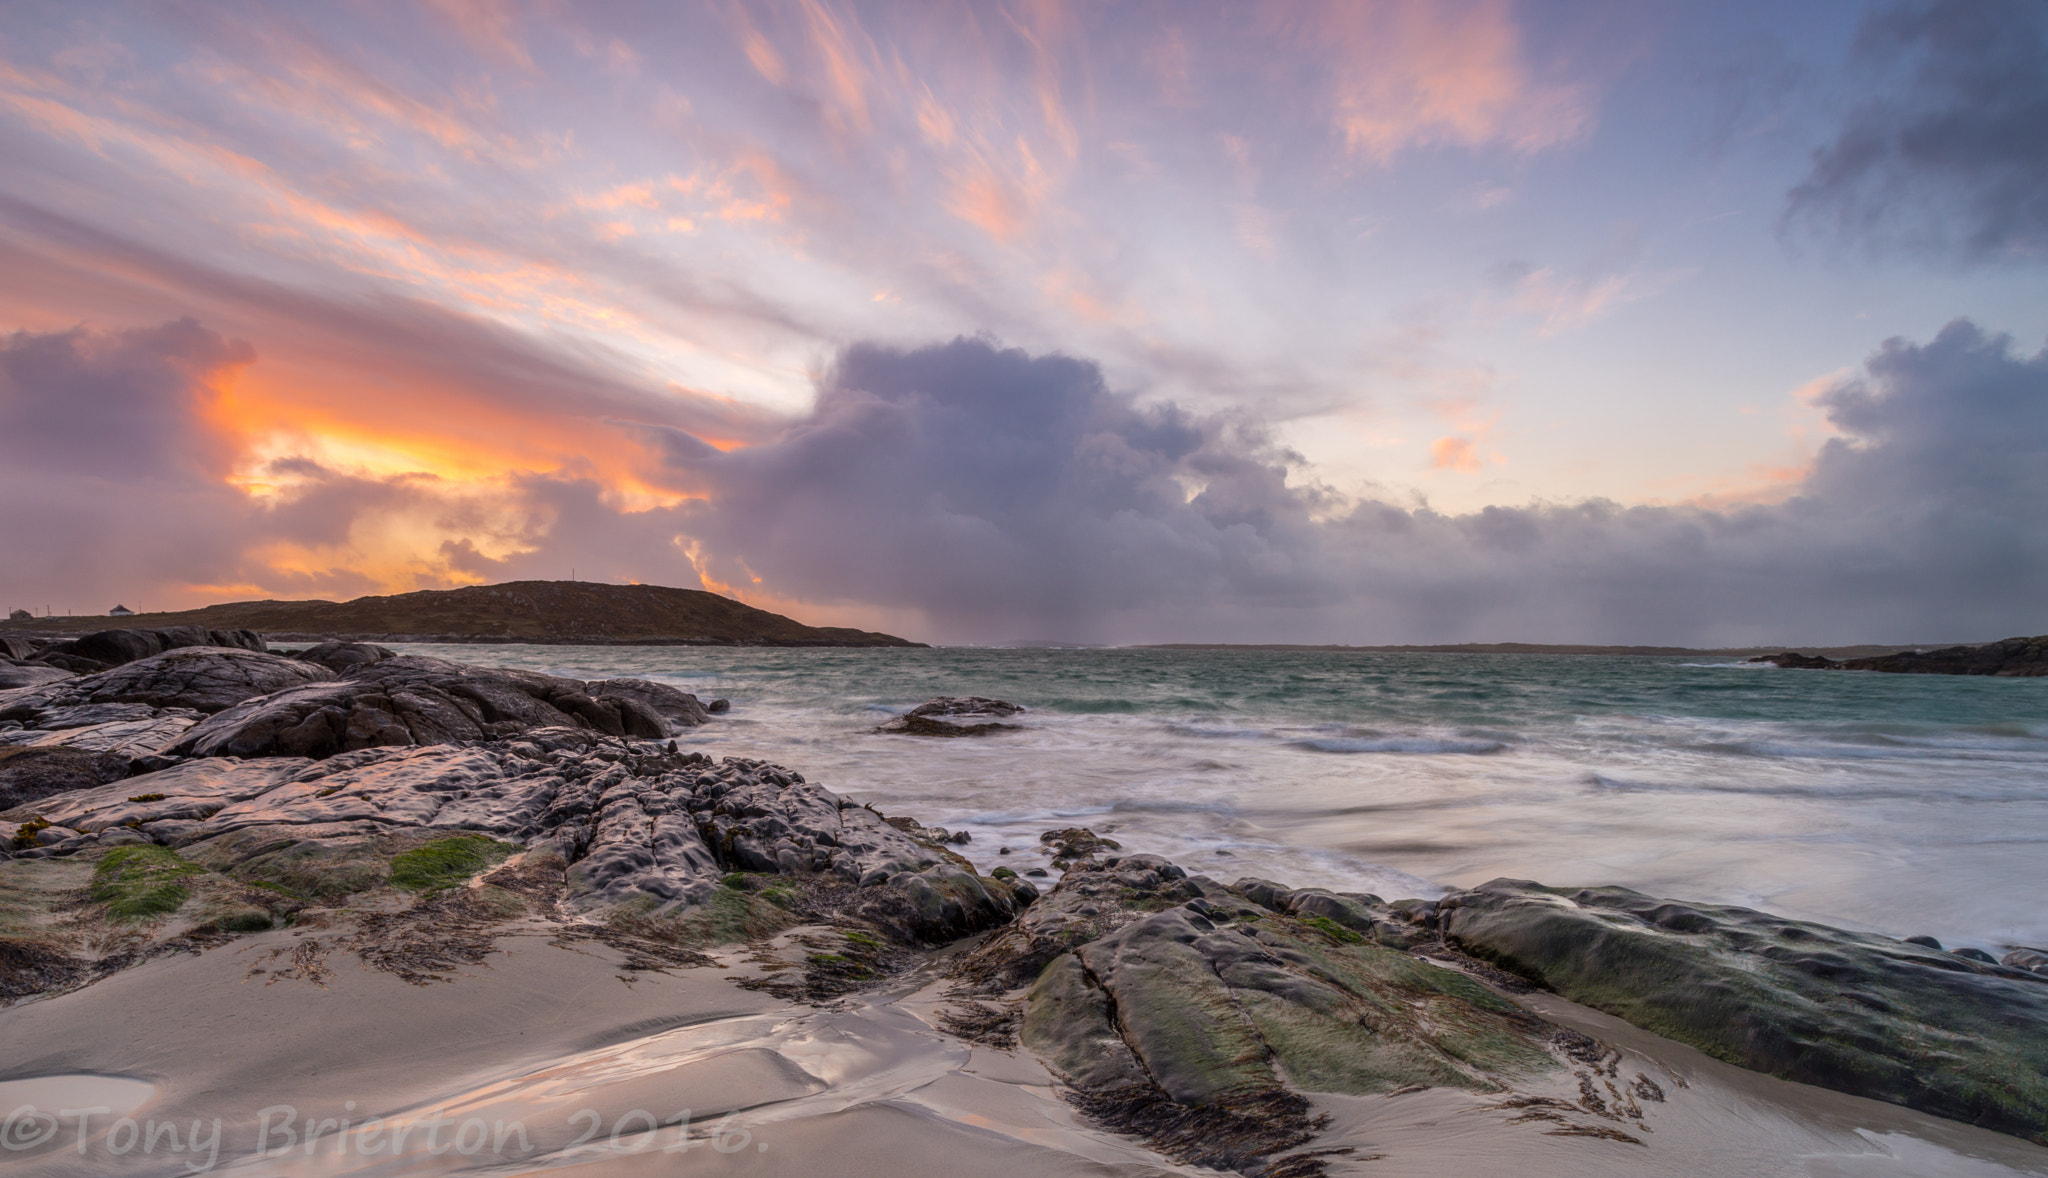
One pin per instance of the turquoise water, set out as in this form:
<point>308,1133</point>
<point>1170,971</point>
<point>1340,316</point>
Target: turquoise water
<point>1902,804</point>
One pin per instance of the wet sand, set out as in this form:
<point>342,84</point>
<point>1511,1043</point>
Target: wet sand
<point>548,1057</point>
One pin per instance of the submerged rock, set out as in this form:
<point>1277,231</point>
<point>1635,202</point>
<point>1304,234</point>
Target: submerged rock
<point>947,715</point>
<point>1075,843</point>
<point>1854,1012</point>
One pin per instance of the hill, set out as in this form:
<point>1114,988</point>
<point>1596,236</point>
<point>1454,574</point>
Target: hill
<point>578,612</point>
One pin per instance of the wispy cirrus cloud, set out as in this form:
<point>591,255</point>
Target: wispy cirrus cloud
<point>1411,74</point>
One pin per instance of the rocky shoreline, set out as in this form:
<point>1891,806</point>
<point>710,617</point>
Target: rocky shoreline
<point>410,813</point>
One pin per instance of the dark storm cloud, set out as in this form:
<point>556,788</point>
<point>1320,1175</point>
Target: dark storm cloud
<point>1007,495</point>
<point>992,488</point>
<point>1951,152</point>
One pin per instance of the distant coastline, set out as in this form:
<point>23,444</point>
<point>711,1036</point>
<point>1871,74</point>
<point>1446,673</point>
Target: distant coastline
<point>1835,652</point>
<point>551,613</point>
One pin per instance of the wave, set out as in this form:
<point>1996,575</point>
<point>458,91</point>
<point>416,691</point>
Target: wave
<point>1400,744</point>
<point>1830,750</point>
<point>1858,792</point>
<point>1208,732</point>
<point>1170,806</point>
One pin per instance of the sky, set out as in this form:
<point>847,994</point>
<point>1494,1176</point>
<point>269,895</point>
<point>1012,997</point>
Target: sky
<point>1360,321</point>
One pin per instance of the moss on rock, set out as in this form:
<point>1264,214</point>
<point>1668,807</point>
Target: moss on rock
<point>446,862</point>
<point>143,882</point>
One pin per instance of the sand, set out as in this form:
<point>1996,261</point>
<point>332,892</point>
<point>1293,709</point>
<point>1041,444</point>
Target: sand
<point>547,1057</point>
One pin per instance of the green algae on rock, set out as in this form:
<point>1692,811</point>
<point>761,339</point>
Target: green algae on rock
<point>137,883</point>
<point>446,862</point>
<point>1854,1012</point>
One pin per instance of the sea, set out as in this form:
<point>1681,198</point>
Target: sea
<point>1898,804</point>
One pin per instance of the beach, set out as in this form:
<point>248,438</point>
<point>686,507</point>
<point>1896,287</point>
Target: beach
<point>559,1042</point>
<point>497,1026</point>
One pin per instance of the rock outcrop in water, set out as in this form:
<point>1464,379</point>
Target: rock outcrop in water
<point>947,715</point>
<point>2012,658</point>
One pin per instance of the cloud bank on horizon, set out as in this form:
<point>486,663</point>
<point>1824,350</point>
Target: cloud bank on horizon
<point>1301,322</point>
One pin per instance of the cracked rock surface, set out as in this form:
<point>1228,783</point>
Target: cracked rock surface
<point>143,706</point>
<point>618,823</point>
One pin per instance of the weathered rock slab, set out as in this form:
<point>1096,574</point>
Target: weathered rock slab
<point>14,675</point>
<point>628,824</point>
<point>1854,1012</point>
<point>411,700</point>
<point>113,648</point>
<point>202,678</point>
